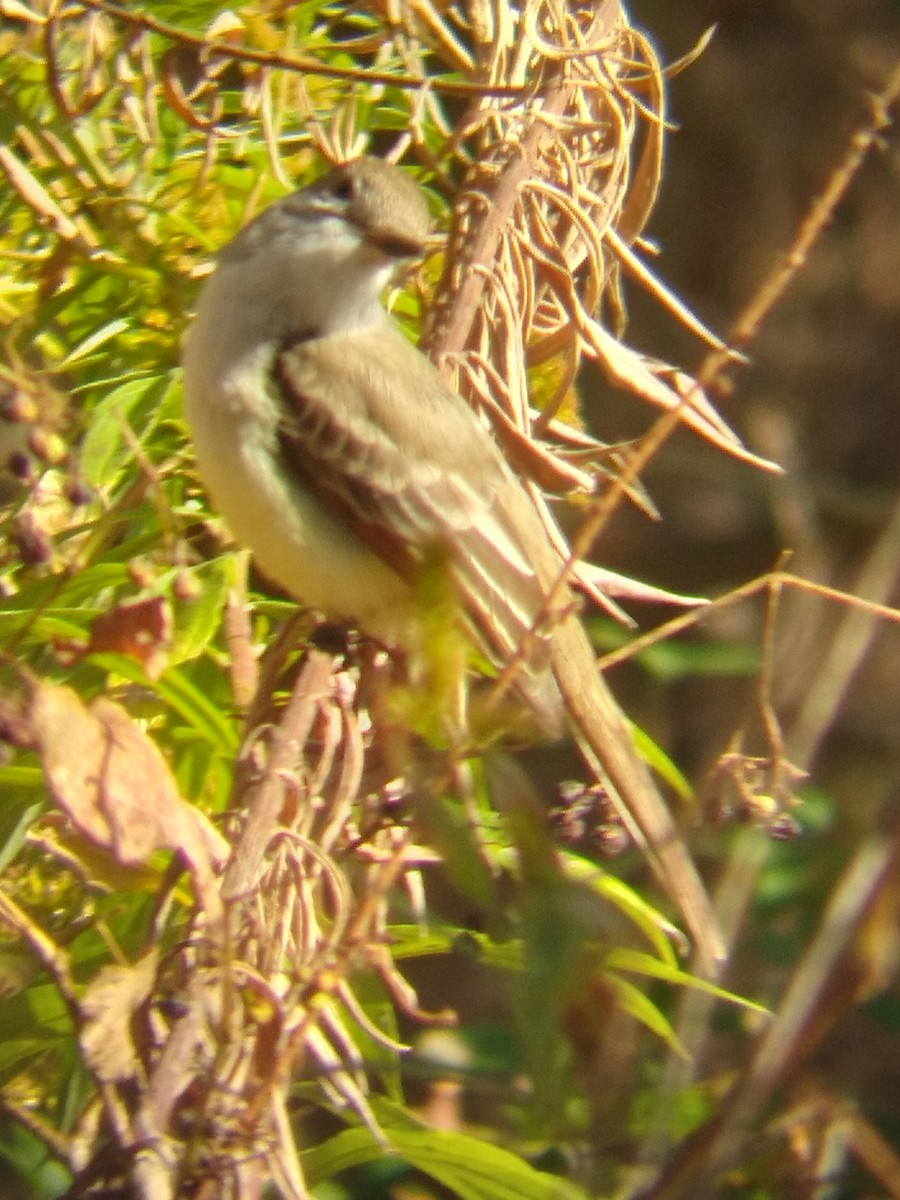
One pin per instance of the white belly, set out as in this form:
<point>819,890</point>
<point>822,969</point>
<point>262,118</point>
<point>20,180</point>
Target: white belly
<point>293,539</point>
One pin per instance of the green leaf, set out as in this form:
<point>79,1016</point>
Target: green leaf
<point>649,920</point>
<point>93,342</point>
<point>654,756</point>
<point>197,620</point>
<point>25,818</point>
<point>623,959</point>
<point>104,451</point>
<point>180,693</point>
<point>472,1169</point>
<point>671,660</point>
<point>34,1022</point>
<point>641,1007</point>
<point>409,941</point>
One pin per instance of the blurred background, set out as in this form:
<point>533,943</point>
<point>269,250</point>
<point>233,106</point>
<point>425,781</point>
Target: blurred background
<point>762,120</point>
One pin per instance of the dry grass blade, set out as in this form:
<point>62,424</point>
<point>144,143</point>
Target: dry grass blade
<point>301,908</point>
<point>560,189</point>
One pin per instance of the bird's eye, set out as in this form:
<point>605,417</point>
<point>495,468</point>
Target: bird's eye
<point>342,188</point>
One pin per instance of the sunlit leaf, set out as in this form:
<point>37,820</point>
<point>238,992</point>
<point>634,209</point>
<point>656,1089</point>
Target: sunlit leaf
<point>93,342</point>
<point>471,1168</point>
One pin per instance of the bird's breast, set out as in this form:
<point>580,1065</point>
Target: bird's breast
<point>234,417</point>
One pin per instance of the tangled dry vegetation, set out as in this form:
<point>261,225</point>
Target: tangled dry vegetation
<point>219,1019</point>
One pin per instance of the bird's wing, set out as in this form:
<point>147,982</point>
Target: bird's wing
<point>422,475</point>
<point>415,476</point>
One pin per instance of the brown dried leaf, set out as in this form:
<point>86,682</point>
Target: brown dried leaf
<point>114,785</point>
<point>110,1001</point>
<point>141,629</point>
<point>669,390</point>
<point>600,580</point>
<point>533,459</point>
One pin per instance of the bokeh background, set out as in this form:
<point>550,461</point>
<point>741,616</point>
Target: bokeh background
<point>763,119</point>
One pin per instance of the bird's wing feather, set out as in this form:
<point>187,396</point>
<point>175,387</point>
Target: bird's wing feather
<point>414,481</point>
<point>410,477</point>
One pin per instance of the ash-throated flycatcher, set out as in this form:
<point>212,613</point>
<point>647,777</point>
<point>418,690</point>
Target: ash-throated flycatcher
<point>336,452</point>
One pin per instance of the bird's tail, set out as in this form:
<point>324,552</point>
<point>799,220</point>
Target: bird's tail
<point>606,744</point>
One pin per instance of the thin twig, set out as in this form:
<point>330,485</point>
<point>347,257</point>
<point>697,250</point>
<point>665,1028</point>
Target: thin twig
<point>300,64</point>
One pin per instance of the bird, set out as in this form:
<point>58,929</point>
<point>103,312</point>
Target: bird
<point>336,452</point>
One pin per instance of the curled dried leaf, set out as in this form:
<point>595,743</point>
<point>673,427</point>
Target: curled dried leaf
<point>113,783</point>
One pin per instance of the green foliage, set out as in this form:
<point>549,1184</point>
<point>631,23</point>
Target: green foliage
<point>471,1168</point>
